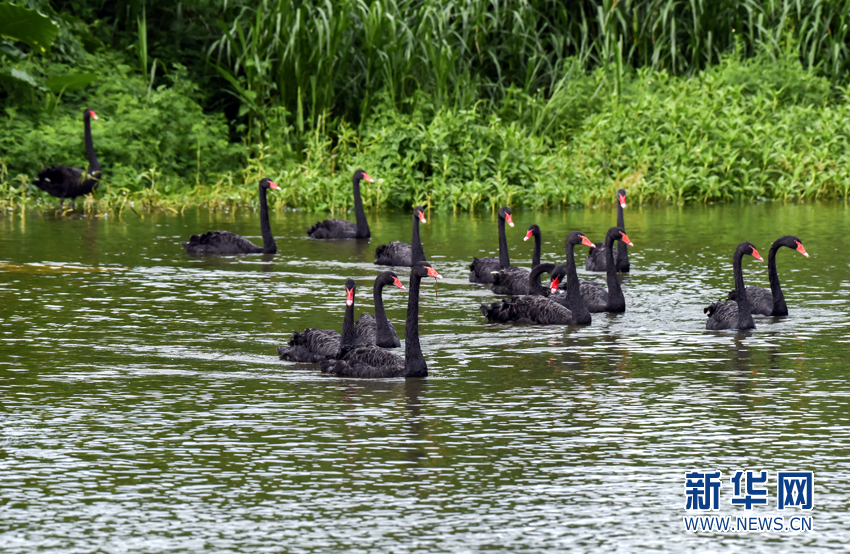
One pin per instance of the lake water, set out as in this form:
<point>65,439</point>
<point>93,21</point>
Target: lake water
<point>145,410</point>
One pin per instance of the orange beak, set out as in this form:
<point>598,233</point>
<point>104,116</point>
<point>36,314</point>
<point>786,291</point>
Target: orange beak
<point>94,115</point>
<point>366,176</point>
<point>433,273</point>
<point>421,217</point>
<point>626,239</point>
<point>622,199</point>
<point>528,234</point>
<point>586,241</point>
<point>397,283</point>
<point>510,219</point>
<point>349,297</point>
<point>801,250</point>
<point>553,286</point>
<point>756,255</point>
<point>272,185</point>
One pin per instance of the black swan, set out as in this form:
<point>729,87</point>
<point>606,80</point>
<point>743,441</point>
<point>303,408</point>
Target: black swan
<point>596,258</point>
<point>572,299</point>
<point>64,182</point>
<point>594,295</point>
<point>314,345</point>
<point>340,228</point>
<point>734,314</point>
<point>514,280</point>
<point>535,308</point>
<point>382,331</point>
<point>481,270</point>
<point>400,253</point>
<point>226,243</point>
<point>772,302</point>
<point>374,362</point>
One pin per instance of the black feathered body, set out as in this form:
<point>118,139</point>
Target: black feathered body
<point>333,229</point>
<point>481,269</point>
<point>62,181</point>
<point>221,242</point>
<point>396,253</point>
<point>225,243</point>
<point>314,345</point>
<point>535,310</point>
<point>761,301</point>
<point>340,228</point>
<point>510,281</point>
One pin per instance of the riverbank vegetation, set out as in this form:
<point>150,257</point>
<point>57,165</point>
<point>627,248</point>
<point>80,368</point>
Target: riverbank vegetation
<point>456,105</point>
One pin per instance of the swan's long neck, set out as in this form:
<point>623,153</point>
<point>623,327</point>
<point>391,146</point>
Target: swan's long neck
<point>417,253</point>
<point>534,286</point>
<point>745,318</point>
<point>94,165</point>
<point>535,257</point>
<point>616,300</point>
<point>577,306</point>
<point>359,214</point>
<point>414,362</point>
<point>779,306</point>
<point>383,324</point>
<point>622,249</point>
<point>269,245</point>
<point>504,260</point>
<point>349,333</point>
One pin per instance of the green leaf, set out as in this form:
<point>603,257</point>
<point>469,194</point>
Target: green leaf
<point>18,75</point>
<point>28,26</point>
<point>70,82</point>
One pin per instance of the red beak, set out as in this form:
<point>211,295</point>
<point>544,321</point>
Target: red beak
<point>421,217</point>
<point>397,283</point>
<point>553,286</point>
<point>94,115</point>
<point>365,176</point>
<point>622,200</point>
<point>528,234</point>
<point>349,297</point>
<point>586,241</point>
<point>433,273</point>
<point>801,250</point>
<point>509,218</point>
<point>272,185</point>
<point>756,255</point>
<point>626,239</point>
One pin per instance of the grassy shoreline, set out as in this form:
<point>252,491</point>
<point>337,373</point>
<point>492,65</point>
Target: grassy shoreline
<point>740,130</point>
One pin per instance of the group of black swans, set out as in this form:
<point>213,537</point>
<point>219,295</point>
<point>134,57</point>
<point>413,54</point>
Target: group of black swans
<point>360,350</point>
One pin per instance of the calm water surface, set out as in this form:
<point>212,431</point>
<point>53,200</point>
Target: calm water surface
<point>144,409</point>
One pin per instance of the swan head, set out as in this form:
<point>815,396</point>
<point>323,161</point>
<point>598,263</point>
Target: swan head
<point>621,197</point>
<point>618,233</point>
<point>360,174</point>
<point>558,274</point>
<point>793,243</point>
<point>424,269</point>
<point>533,231</point>
<point>350,286</point>
<point>577,237</point>
<point>90,113</point>
<point>388,278</point>
<point>750,248</point>
<point>269,184</point>
<point>506,214</point>
<point>419,212</point>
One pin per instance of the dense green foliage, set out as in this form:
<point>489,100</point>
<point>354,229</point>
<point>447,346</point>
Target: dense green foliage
<point>456,105</point>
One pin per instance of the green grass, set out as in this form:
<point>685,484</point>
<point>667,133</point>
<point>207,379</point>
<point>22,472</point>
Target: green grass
<point>740,130</point>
